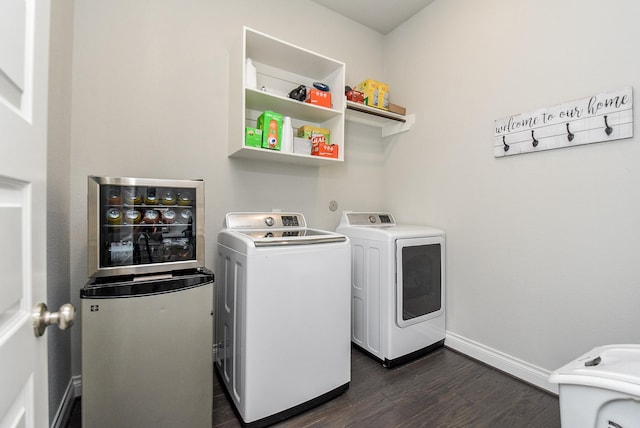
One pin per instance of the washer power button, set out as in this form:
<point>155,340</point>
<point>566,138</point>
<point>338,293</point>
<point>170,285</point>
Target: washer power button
<point>269,221</point>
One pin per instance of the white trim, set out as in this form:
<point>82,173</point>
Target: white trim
<point>77,385</point>
<point>66,404</point>
<point>513,366</point>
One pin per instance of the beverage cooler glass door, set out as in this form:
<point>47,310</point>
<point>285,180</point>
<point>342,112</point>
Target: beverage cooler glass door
<point>420,279</point>
<point>141,225</point>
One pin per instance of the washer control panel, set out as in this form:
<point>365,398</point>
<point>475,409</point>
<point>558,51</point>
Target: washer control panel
<point>268,220</point>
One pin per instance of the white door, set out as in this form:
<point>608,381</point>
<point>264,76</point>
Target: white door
<point>24,57</point>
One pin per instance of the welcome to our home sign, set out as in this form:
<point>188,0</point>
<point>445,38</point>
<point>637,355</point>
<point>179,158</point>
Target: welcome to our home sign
<point>594,119</point>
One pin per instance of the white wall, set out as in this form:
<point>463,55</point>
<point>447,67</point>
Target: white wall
<point>58,227</point>
<point>542,248</point>
<point>150,91</point>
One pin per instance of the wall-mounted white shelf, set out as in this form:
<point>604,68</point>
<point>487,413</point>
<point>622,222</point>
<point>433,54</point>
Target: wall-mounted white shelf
<point>261,101</point>
<point>281,67</point>
<point>389,123</point>
<point>281,157</point>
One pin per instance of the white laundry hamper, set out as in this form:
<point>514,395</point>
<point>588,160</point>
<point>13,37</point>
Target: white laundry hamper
<point>601,389</point>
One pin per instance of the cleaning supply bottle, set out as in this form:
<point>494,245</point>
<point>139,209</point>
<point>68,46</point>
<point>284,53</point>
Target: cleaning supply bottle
<point>250,75</point>
<point>287,135</point>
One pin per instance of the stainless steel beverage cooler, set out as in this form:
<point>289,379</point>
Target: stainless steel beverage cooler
<point>147,308</point>
<point>140,225</point>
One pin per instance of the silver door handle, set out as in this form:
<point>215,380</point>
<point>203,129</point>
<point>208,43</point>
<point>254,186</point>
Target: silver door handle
<point>42,318</point>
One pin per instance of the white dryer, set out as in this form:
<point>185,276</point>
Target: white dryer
<point>282,315</point>
<point>397,286</point>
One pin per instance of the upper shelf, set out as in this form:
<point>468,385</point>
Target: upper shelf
<point>390,123</point>
<point>259,100</point>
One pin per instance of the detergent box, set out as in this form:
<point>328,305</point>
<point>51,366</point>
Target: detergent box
<point>314,133</point>
<point>320,142</point>
<point>318,97</point>
<point>376,94</point>
<point>324,150</point>
<point>271,125</point>
<point>252,137</point>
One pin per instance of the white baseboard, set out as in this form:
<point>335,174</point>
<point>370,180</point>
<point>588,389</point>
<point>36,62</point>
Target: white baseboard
<point>77,385</point>
<point>501,361</point>
<point>64,411</point>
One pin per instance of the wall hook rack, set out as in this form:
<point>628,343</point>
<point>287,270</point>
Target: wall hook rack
<point>608,130</point>
<point>570,135</point>
<point>506,146</point>
<point>570,124</point>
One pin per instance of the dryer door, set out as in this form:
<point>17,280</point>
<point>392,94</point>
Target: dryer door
<point>419,279</point>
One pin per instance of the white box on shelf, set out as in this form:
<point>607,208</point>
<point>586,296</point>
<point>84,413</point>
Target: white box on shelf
<point>301,146</point>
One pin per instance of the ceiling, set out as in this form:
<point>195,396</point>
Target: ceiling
<point>380,15</point>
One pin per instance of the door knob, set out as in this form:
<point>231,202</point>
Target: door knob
<point>42,318</point>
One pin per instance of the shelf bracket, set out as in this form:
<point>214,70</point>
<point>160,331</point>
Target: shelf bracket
<point>399,127</point>
<point>388,122</point>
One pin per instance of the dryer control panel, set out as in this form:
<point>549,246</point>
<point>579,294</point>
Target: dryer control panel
<point>368,219</point>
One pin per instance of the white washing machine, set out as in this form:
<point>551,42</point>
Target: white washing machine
<point>397,286</point>
<point>282,315</point>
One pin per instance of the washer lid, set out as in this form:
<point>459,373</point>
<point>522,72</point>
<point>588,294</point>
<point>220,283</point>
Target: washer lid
<point>614,367</point>
<point>281,237</point>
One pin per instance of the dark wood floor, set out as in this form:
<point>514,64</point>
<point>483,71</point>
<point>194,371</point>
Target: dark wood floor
<point>442,389</point>
<point>75,420</point>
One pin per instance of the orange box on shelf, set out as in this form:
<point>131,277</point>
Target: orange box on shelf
<point>320,144</point>
<point>355,96</point>
<point>318,97</point>
<point>324,150</point>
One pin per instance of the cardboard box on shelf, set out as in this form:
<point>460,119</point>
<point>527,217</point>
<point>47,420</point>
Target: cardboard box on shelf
<point>324,150</point>
<point>314,133</point>
<point>318,97</point>
<point>320,141</point>
<point>271,125</point>
<point>376,94</point>
<point>301,146</point>
<point>394,108</point>
<point>355,96</point>
<point>252,137</point>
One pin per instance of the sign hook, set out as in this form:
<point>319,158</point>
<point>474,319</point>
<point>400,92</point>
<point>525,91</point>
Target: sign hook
<point>570,135</point>
<point>506,146</point>
<point>608,130</point>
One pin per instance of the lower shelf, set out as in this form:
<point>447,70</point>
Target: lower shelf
<point>277,156</point>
